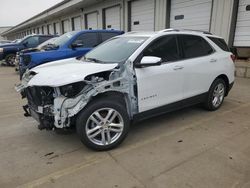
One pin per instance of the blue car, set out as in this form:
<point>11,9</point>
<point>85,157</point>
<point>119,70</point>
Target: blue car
<point>71,44</point>
<point>8,51</point>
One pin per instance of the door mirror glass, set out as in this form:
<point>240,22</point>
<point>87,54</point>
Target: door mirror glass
<point>149,61</point>
<point>77,45</point>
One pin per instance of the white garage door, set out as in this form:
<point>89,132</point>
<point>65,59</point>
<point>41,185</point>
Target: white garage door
<point>242,32</point>
<point>57,28</point>
<point>92,21</point>
<point>191,14</point>
<point>50,29</point>
<point>77,23</point>
<point>142,15</point>
<point>113,18</point>
<point>65,25</point>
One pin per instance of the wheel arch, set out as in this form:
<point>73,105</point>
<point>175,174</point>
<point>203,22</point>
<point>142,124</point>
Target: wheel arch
<point>121,97</point>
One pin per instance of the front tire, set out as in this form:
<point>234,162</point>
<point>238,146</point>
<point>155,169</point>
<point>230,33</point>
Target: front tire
<point>10,59</point>
<point>103,124</point>
<point>216,95</point>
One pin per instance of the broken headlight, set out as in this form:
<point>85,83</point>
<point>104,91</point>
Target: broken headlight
<point>71,90</point>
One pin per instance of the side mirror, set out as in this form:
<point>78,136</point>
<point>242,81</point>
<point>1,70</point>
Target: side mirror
<point>77,45</point>
<point>149,61</point>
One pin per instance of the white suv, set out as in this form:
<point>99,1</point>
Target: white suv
<point>130,77</point>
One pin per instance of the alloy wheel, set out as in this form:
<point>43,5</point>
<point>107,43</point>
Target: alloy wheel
<point>104,126</point>
<point>218,95</point>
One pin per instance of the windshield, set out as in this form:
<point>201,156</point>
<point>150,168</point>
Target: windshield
<point>115,50</point>
<point>64,38</point>
<point>47,42</point>
<point>23,39</point>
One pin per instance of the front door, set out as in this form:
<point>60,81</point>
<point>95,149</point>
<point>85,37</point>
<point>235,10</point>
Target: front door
<point>86,42</point>
<point>163,84</point>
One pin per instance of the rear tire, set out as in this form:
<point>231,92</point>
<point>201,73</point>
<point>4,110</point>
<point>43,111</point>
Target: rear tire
<point>216,95</point>
<point>103,124</point>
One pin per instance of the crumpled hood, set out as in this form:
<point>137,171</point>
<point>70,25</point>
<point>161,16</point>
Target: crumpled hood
<point>67,71</point>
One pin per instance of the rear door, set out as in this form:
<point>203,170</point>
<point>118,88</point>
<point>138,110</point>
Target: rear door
<point>160,85</point>
<point>199,62</point>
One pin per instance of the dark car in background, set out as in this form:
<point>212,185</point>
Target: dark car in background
<point>69,45</point>
<point>8,51</point>
<point>40,47</point>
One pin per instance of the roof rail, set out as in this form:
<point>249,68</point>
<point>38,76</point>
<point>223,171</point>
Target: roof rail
<point>200,31</point>
<point>132,32</point>
<point>171,29</point>
<point>168,30</point>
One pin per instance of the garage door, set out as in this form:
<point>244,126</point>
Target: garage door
<point>242,32</point>
<point>191,14</point>
<point>76,23</point>
<point>49,29</point>
<point>112,18</point>
<point>65,26</point>
<point>57,28</point>
<point>92,21</point>
<point>142,15</point>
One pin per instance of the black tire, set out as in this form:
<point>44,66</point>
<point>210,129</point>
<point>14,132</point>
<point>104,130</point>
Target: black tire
<point>98,104</point>
<point>9,59</point>
<point>209,105</point>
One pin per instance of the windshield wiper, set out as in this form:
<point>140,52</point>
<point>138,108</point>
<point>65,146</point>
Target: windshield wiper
<point>93,60</point>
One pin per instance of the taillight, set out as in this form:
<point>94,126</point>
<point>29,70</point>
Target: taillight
<point>233,57</point>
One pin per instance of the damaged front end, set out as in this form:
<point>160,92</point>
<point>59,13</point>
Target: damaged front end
<point>58,106</point>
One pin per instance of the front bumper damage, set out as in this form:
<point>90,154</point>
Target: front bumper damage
<point>62,111</point>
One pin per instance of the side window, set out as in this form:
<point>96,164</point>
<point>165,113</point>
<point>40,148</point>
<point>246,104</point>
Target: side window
<point>106,36</point>
<point>31,42</point>
<point>221,43</point>
<point>165,48</point>
<point>195,46</point>
<point>87,40</point>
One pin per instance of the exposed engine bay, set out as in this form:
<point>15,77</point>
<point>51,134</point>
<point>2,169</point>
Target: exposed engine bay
<point>57,107</point>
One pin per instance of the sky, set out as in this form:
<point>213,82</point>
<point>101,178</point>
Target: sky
<point>13,12</point>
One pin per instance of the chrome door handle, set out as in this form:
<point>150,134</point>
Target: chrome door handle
<point>213,60</point>
<point>178,67</point>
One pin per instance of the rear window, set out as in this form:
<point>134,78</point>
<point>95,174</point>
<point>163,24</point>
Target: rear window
<point>195,46</point>
<point>221,43</point>
<point>106,36</point>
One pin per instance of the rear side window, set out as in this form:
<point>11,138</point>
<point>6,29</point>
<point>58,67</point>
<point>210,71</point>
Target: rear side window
<point>165,48</point>
<point>221,43</point>
<point>88,40</point>
<point>106,36</point>
<point>195,46</point>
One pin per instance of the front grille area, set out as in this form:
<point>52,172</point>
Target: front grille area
<point>39,96</point>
